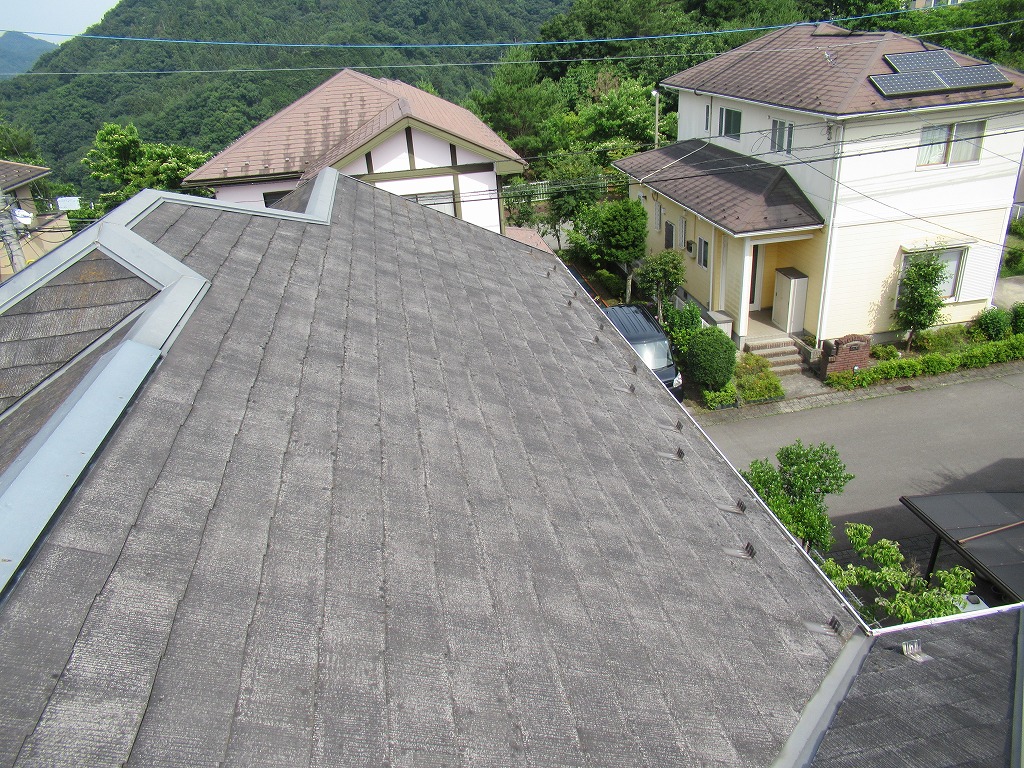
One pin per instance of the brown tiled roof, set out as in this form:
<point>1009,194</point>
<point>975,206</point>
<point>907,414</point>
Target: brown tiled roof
<point>738,193</point>
<point>823,68</point>
<point>334,120</point>
<point>14,175</point>
<point>529,237</point>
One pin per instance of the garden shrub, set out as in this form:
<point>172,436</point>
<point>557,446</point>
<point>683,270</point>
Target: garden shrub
<point>933,364</point>
<point>720,397</point>
<point>1017,227</point>
<point>614,284</point>
<point>681,324</point>
<point>1017,317</point>
<point>750,365</point>
<point>710,358</point>
<point>845,380</point>
<point>904,368</point>
<point>760,386</point>
<point>885,352</point>
<point>994,323</point>
<point>1013,261</point>
<point>976,357</point>
<point>950,338</point>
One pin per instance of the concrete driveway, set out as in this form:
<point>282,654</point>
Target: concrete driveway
<point>963,437</point>
<point>1009,290</point>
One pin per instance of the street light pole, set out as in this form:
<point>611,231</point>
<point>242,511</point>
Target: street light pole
<point>657,115</point>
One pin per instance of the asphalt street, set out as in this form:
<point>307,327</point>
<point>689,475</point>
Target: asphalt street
<point>966,437</point>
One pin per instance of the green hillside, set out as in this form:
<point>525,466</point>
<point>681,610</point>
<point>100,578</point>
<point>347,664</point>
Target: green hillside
<point>208,108</point>
<point>18,52</point>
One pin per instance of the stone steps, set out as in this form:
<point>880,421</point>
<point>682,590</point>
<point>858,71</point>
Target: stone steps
<point>781,352</point>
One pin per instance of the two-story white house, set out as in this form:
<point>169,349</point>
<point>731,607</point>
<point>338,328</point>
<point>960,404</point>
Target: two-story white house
<point>384,132</point>
<point>813,162</point>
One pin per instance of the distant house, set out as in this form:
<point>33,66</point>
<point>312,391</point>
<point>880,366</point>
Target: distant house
<point>389,134</point>
<point>44,232</point>
<point>813,162</point>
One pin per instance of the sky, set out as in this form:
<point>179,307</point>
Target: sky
<point>63,17</point>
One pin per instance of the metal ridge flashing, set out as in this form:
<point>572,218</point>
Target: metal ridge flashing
<point>318,209</point>
<point>35,487</point>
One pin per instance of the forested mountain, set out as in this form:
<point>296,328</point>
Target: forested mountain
<point>208,108</point>
<point>18,52</point>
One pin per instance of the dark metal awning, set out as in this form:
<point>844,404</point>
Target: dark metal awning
<point>987,529</point>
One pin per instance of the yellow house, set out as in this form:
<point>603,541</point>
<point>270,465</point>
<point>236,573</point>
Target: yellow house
<point>26,239</point>
<point>814,162</point>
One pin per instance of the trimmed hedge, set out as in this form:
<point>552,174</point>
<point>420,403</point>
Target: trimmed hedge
<point>977,356</point>
<point>720,398</point>
<point>710,358</point>
<point>1017,317</point>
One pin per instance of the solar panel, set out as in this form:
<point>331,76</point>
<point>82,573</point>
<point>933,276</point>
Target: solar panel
<point>921,60</point>
<point>906,83</point>
<point>982,76</point>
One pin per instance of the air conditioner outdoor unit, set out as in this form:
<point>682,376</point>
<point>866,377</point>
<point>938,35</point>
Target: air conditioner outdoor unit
<point>689,246</point>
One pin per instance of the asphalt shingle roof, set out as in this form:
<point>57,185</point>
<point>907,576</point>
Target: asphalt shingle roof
<point>14,175</point>
<point>390,499</point>
<point>824,69</point>
<point>741,194</point>
<point>335,119</point>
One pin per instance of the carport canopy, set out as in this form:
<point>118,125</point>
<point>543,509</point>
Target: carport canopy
<point>987,529</point>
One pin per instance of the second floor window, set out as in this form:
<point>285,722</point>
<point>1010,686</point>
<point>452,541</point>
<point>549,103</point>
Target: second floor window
<point>729,123</point>
<point>702,252</point>
<point>950,144</point>
<point>782,137</point>
<point>670,235</point>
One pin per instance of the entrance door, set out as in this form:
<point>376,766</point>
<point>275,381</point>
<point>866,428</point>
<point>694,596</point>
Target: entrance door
<point>756,279</point>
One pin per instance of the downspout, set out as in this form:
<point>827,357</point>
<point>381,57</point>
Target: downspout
<point>827,276</point>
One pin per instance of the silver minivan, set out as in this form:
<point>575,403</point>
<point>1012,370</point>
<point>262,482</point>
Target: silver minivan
<point>648,340</point>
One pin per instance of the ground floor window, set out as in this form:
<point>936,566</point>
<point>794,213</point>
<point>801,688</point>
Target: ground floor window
<point>953,258</point>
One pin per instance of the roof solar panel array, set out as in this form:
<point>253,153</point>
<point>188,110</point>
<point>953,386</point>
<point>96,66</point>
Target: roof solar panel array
<point>914,82</point>
<point>923,60</point>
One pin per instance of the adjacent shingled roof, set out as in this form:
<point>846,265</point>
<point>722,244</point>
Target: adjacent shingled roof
<point>396,496</point>
<point>824,69</point>
<point>955,709</point>
<point>738,193</point>
<point>14,175</point>
<point>337,118</point>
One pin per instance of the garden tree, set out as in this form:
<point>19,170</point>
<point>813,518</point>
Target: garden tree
<point>899,591</point>
<point>611,232</point>
<point>710,358</point>
<point>659,274</point>
<point>518,196</point>
<point>795,490</point>
<point>576,183</point>
<point>125,164</point>
<point>518,100</point>
<point>919,300</point>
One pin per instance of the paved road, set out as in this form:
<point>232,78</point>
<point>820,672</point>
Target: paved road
<point>965,437</point>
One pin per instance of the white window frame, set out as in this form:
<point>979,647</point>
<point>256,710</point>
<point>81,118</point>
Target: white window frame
<point>955,256</point>
<point>670,235</point>
<point>657,217</point>
<point>950,144</point>
<point>782,136</point>
<point>707,118</point>
<point>726,116</point>
<point>682,231</point>
<point>443,201</point>
<point>702,253</point>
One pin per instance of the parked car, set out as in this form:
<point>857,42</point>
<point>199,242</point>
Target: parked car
<point>648,340</point>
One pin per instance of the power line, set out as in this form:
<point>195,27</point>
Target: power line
<point>507,44</point>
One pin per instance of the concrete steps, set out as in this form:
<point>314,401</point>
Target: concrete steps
<point>780,351</point>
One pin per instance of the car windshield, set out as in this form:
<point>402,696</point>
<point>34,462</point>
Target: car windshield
<point>655,354</point>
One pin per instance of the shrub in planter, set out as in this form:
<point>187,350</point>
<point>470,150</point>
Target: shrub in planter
<point>994,323</point>
<point>710,358</point>
<point>885,352</point>
<point>721,398</point>
<point>761,386</point>
<point>845,380</point>
<point>1017,317</point>
<point>750,364</point>
<point>906,368</point>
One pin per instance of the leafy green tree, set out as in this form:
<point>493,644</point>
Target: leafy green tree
<point>611,232</point>
<point>795,490</point>
<point>576,183</point>
<point>125,164</point>
<point>659,274</point>
<point>899,591</point>
<point>520,209</point>
<point>920,299</point>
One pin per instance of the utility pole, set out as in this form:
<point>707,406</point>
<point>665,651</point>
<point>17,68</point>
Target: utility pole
<point>12,244</point>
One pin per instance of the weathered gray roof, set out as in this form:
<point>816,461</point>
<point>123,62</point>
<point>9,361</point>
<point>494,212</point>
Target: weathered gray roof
<point>823,68</point>
<point>955,709</point>
<point>396,495</point>
<point>335,119</point>
<point>741,194</point>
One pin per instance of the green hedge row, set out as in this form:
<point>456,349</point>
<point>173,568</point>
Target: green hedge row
<point>978,356</point>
